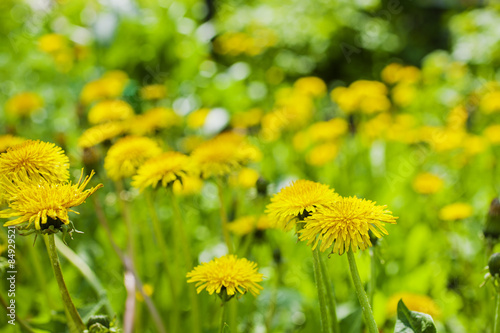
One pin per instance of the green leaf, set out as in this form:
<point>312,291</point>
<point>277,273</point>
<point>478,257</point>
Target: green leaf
<point>412,321</point>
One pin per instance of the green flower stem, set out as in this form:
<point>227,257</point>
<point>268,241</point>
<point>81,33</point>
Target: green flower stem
<point>330,296</point>
<point>124,208</point>
<point>223,217</point>
<point>363,299</point>
<point>373,274</point>
<point>87,273</point>
<point>497,315</point>
<point>222,324</point>
<point>320,285</point>
<point>167,258</point>
<point>188,258</point>
<point>73,315</point>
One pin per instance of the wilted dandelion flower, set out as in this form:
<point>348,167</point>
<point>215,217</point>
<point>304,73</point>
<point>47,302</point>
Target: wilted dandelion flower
<point>110,110</point>
<point>153,91</point>
<point>297,201</point>
<point>8,140</point>
<point>455,211</point>
<point>128,154</point>
<point>227,273</point>
<point>164,169</point>
<point>42,202</point>
<point>36,158</point>
<point>23,104</point>
<point>100,133</point>
<point>427,183</point>
<point>346,222</point>
<point>153,120</point>
<point>223,154</point>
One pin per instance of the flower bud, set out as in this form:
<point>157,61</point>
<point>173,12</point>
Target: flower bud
<point>494,264</point>
<point>98,324</point>
<point>492,225</point>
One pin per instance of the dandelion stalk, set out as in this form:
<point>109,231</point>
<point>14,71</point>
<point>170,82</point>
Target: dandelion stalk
<point>373,276</point>
<point>363,299</point>
<point>330,296</point>
<point>320,286</point>
<point>166,261</point>
<point>188,258</point>
<point>222,317</point>
<point>223,217</point>
<point>73,315</point>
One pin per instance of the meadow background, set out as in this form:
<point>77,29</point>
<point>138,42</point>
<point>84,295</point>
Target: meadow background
<point>393,101</point>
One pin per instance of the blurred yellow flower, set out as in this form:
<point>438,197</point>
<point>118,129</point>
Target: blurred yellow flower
<point>474,144</point>
<point>366,96</point>
<point>391,73</point>
<point>8,140</point>
<point>128,154</point>
<point>226,274</point>
<point>165,169</point>
<point>490,102</point>
<point>457,118</point>
<point>455,211</point>
<point>247,119</point>
<point>23,104</point>
<point>414,302</point>
<point>404,94</point>
<point>427,183</point>
<point>191,142</point>
<point>246,178</point>
<point>492,134</point>
<point>153,120</point>
<point>42,202</point>
<point>310,85</point>
<point>190,185</point>
<point>153,91</point>
<point>109,86</point>
<point>246,224</point>
<point>346,222</point>
<point>298,200</point>
<point>52,43</point>
<point>100,133</point>
<point>196,119</point>
<point>148,290</point>
<point>328,130</point>
<point>110,110</point>
<point>36,158</point>
<point>322,154</point>
<point>223,154</point>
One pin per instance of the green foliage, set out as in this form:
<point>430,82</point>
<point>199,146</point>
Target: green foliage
<point>412,321</point>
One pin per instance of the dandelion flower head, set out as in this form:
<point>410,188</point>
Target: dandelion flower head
<point>223,154</point>
<point>128,154</point>
<point>427,183</point>
<point>297,201</point>
<point>110,110</point>
<point>100,133</point>
<point>229,273</point>
<point>8,140</point>
<point>23,104</point>
<point>153,120</point>
<point>346,222</point>
<point>414,302</point>
<point>165,169</point>
<point>455,211</point>
<point>153,91</point>
<point>36,158</point>
<point>36,201</point>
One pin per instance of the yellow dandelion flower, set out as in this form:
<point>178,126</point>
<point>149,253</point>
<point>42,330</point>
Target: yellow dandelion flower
<point>110,110</point>
<point>247,119</point>
<point>227,273</point>
<point>23,104</point>
<point>223,154</point>
<point>427,183</point>
<point>8,140</point>
<point>322,154</point>
<point>165,168</point>
<point>311,85</point>
<point>36,158</point>
<point>246,178</point>
<point>128,154</point>
<point>100,133</point>
<point>474,144</point>
<point>328,130</point>
<point>153,120</point>
<point>297,201</point>
<point>196,119</point>
<point>52,43</point>
<point>109,86</point>
<point>246,224</point>
<point>148,290</point>
<point>346,222</point>
<point>492,134</point>
<point>153,91</point>
<point>190,185</point>
<point>414,302</point>
<point>490,102</point>
<point>41,202</point>
<point>455,211</point>
<point>392,73</point>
